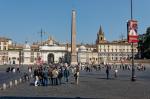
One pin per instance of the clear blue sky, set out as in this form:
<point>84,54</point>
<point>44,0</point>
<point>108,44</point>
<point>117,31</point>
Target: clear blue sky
<point>23,19</point>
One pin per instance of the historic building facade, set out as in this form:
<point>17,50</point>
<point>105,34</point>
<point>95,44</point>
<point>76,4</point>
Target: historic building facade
<point>4,45</point>
<point>87,54</point>
<point>50,51</point>
<point>119,50</point>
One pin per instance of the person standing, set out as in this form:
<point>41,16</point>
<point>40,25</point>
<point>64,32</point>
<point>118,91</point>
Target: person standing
<point>45,77</point>
<point>76,75</point>
<point>107,71</point>
<point>116,71</point>
<point>60,75</point>
<point>66,74</point>
<point>55,76</point>
<point>36,76</point>
<point>18,68</point>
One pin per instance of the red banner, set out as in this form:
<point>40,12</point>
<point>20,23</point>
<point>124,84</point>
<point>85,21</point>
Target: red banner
<point>132,31</point>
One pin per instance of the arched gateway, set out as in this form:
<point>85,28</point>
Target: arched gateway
<point>50,58</point>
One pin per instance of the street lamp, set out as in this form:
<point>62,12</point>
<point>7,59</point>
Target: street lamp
<point>133,67</point>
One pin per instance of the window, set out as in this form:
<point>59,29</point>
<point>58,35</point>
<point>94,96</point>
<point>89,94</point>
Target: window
<point>134,50</point>
<point>32,59</point>
<point>13,58</point>
<point>116,58</point>
<point>93,58</point>
<point>4,48</point>
<point>5,43</point>
<point>108,46</point>
<point>104,50</point>
<point>32,53</point>
<point>100,50</point>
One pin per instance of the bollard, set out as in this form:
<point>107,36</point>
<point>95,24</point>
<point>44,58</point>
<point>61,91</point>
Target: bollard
<point>20,80</point>
<point>10,84</point>
<point>31,75</point>
<point>16,82</point>
<point>4,86</point>
<point>27,78</point>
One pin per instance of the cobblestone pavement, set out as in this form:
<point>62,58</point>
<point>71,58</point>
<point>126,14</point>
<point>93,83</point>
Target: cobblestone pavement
<point>92,85</point>
<point>6,77</point>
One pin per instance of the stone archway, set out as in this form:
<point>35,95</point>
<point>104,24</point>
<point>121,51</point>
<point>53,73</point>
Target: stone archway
<point>50,58</point>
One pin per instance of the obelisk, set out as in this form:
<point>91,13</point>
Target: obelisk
<point>73,39</point>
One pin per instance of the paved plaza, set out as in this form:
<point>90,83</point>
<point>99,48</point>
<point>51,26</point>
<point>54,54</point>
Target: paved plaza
<point>92,85</point>
<point>6,77</point>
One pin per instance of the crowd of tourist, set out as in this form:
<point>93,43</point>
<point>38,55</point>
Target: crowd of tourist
<point>113,68</point>
<point>56,74</point>
<point>53,74</point>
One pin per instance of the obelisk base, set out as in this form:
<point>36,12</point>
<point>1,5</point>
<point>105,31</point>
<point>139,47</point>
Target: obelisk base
<point>74,60</point>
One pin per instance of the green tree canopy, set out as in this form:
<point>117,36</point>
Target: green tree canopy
<point>147,44</point>
<point>148,31</point>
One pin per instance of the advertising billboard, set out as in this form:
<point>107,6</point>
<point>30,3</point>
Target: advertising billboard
<point>132,31</point>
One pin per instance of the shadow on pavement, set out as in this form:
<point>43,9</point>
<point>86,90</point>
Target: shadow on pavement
<point>105,78</point>
<point>19,97</point>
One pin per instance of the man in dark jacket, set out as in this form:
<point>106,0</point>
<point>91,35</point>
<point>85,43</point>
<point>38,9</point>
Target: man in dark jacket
<point>66,74</point>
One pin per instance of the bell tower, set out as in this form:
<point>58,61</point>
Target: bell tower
<point>100,36</point>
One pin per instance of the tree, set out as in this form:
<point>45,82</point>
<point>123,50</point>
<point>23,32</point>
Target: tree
<point>148,31</point>
<point>146,44</point>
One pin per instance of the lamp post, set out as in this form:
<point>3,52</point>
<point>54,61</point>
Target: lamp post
<point>20,58</point>
<point>133,67</point>
<point>41,35</point>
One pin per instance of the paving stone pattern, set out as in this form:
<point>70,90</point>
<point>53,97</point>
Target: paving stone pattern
<point>92,85</point>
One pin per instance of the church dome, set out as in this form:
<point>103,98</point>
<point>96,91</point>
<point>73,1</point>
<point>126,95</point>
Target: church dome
<point>27,46</point>
<point>82,48</point>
